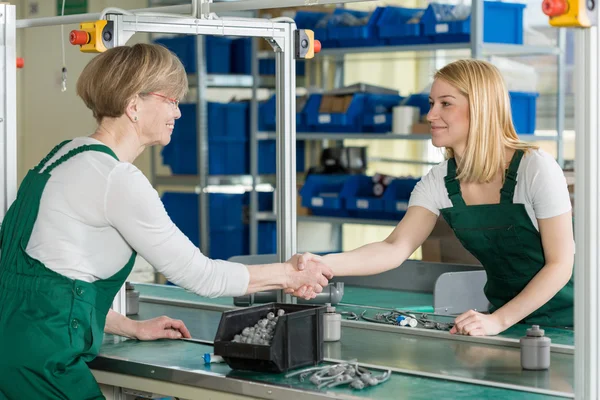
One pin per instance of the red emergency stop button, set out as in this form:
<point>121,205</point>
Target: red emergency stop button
<point>317,46</point>
<point>554,8</point>
<point>77,37</point>
<point>20,62</point>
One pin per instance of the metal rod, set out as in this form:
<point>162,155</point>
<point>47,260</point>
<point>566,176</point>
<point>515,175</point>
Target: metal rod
<point>560,99</point>
<point>447,377</point>
<point>286,153</point>
<point>254,148</point>
<point>587,204</point>
<point>477,29</point>
<point>8,107</point>
<point>202,137</point>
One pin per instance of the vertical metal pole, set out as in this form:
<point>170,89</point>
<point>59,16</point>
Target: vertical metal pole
<point>587,212</point>
<point>477,28</point>
<point>202,136</point>
<point>286,152</point>
<point>560,98</point>
<point>253,229</point>
<point>8,107</point>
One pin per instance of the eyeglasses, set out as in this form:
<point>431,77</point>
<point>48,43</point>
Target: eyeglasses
<point>174,102</point>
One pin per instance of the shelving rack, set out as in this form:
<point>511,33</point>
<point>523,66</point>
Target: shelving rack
<point>478,49</point>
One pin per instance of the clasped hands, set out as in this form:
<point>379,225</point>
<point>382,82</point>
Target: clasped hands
<point>306,275</point>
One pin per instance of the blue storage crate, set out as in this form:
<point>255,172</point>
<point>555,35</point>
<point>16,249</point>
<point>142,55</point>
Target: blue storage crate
<point>321,194</point>
<point>377,123</point>
<point>397,195</point>
<point>317,22</point>
<point>267,156</point>
<point>394,27</point>
<point>227,156</point>
<point>225,224</point>
<point>217,48</point>
<point>266,66</point>
<point>224,120</point>
<point>419,100</point>
<point>241,56</point>
<point>267,237</point>
<point>267,114</point>
<point>359,198</point>
<point>362,106</point>
<point>503,23</point>
<point>523,107</point>
<point>355,36</point>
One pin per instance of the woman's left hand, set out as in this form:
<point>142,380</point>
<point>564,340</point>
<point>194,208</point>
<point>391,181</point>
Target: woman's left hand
<point>161,328</point>
<point>473,323</point>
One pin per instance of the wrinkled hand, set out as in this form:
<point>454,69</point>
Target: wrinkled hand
<point>472,323</point>
<point>161,328</point>
<point>307,276</point>
<point>300,262</point>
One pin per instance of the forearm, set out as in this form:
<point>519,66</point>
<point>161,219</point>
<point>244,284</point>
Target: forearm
<point>267,277</point>
<point>118,324</point>
<point>371,259</point>
<point>538,292</point>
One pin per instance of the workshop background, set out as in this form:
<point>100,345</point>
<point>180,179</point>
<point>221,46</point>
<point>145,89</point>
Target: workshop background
<point>47,115</point>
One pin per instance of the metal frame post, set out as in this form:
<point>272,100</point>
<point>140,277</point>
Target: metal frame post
<point>560,96</point>
<point>253,214</point>
<point>587,212</point>
<point>202,149</point>
<point>286,152</point>
<point>8,107</point>
<point>477,29</point>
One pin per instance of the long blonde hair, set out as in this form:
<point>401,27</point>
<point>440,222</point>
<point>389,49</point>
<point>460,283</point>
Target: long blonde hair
<point>491,128</point>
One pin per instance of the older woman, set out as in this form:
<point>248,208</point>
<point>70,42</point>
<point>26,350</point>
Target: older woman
<point>70,239</point>
<point>506,200</point>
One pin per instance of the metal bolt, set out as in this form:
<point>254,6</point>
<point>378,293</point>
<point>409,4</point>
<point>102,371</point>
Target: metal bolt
<point>151,371</point>
<point>1,119</point>
<point>270,392</point>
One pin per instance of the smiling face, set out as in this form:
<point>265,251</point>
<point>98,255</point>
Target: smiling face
<point>156,118</point>
<point>448,116</point>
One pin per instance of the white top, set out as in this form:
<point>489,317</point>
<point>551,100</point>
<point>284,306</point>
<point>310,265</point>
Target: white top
<point>541,187</point>
<point>95,210</point>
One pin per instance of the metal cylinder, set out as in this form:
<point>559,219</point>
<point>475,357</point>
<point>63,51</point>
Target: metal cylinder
<point>535,349</point>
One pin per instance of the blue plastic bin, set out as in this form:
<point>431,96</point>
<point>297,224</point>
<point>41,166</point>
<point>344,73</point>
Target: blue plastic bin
<point>267,113</point>
<point>355,36</point>
<point>363,106</point>
<point>394,27</point>
<point>241,54</point>
<point>218,52</point>
<point>420,100</point>
<point>360,200</point>
<point>503,23</point>
<point>226,229</point>
<point>267,237</point>
<point>322,195</point>
<point>523,107</point>
<point>397,195</point>
<point>317,22</point>
<point>267,156</point>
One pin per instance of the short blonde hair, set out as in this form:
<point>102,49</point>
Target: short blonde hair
<point>114,77</point>
<point>491,127</point>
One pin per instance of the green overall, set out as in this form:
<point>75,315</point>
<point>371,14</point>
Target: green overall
<point>505,241</point>
<point>50,325</point>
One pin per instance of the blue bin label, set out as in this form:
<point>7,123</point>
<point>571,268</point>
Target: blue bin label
<point>379,119</point>
<point>362,204</point>
<point>316,202</point>
<point>442,28</point>
<point>324,118</point>
<point>401,206</point>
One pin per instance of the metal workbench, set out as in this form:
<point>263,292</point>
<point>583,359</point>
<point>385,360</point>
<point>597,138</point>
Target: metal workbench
<point>426,364</point>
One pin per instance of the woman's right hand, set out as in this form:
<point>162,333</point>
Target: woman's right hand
<point>300,262</point>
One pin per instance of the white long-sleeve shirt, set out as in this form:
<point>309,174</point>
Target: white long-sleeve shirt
<point>95,210</point>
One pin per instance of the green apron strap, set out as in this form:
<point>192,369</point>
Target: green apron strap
<point>510,182</point>
<point>91,147</point>
<point>50,155</point>
<point>453,185</point>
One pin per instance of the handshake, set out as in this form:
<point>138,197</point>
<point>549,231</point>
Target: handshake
<point>306,275</point>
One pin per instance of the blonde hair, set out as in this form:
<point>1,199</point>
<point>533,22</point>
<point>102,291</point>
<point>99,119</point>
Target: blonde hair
<point>114,77</point>
<point>491,128</point>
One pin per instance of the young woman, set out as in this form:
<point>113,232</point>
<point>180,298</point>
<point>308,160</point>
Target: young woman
<point>506,200</point>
